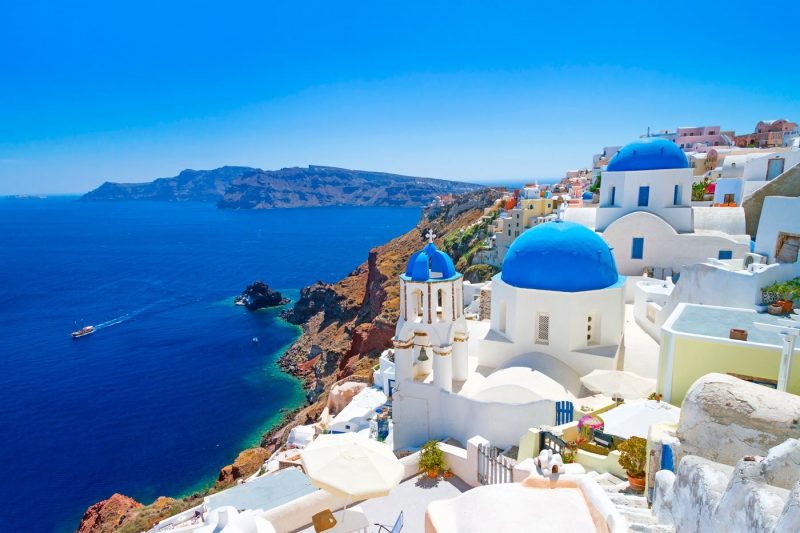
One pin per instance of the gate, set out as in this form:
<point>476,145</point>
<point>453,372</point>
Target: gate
<point>564,412</point>
<point>492,467</point>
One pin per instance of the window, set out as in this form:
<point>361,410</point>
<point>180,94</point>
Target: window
<point>644,196</point>
<point>728,198</point>
<point>676,195</point>
<point>613,196</point>
<point>637,248</point>
<point>725,254</point>
<point>593,329</point>
<point>502,318</point>
<point>542,328</point>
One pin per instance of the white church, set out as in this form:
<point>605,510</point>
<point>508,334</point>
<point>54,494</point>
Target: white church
<point>647,217</point>
<point>557,314</point>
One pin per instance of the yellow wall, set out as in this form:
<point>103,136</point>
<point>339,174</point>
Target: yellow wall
<point>695,357</point>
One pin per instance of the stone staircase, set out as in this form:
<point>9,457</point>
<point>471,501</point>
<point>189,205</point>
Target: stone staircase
<point>631,505</point>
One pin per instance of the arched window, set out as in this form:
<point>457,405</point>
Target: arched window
<point>416,303</point>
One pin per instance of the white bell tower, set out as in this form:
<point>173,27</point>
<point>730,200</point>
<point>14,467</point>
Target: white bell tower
<point>431,334</point>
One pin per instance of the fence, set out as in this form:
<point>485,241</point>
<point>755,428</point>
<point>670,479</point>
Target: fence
<point>492,467</point>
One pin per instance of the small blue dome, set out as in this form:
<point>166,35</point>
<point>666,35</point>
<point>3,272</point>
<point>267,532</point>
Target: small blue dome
<point>559,256</point>
<point>650,153</point>
<point>587,195</point>
<point>430,263</point>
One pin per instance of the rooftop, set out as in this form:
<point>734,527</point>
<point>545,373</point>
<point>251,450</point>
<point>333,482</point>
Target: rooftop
<point>717,322</point>
<point>264,492</point>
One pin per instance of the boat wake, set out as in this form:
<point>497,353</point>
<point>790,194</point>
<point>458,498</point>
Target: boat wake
<point>114,321</point>
<point>126,316</point>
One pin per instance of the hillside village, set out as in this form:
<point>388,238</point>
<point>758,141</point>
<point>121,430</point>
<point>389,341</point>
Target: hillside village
<point>614,352</point>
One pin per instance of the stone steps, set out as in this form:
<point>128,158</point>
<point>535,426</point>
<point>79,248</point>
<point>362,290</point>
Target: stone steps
<point>633,506</point>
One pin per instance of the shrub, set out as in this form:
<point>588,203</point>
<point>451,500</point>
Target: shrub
<point>593,448</point>
<point>431,457</point>
<point>633,456</point>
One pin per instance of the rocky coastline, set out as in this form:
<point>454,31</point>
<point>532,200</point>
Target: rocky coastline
<point>345,326</point>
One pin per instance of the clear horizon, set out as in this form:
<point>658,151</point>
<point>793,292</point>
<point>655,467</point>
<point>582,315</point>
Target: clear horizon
<point>106,92</point>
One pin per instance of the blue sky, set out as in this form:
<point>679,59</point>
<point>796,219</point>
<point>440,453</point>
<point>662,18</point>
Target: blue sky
<point>131,91</point>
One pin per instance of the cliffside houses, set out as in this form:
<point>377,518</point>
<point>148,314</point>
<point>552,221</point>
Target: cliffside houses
<point>645,321</point>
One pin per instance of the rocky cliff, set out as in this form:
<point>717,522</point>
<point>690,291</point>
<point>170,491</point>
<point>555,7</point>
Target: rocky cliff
<point>345,325</point>
<point>315,186</point>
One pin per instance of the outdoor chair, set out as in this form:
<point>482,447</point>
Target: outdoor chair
<point>396,528</point>
<point>323,521</point>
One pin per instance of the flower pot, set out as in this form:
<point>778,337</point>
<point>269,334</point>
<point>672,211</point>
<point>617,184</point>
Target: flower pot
<point>636,483</point>
<point>786,305</point>
<point>448,475</point>
<point>433,474</point>
<point>775,309</point>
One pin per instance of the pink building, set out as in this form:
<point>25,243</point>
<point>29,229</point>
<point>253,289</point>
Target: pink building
<point>702,137</point>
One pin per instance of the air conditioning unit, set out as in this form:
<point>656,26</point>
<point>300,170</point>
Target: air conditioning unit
<point>754,259</point>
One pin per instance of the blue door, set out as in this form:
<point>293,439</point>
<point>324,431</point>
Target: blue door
<point>644,196</point>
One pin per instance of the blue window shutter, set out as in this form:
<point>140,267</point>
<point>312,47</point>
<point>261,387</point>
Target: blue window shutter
<point>725,254</point>
<point>676,196</point>
<point>644,196</point>
<point>637,248</point>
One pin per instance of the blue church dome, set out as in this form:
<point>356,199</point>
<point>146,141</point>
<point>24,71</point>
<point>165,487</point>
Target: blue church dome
<point>430,263</point>
<point>650,153</point>
<point>559,256</point>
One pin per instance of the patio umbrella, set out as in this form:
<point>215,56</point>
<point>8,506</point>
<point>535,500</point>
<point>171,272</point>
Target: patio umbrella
<point>351,466</point>
<point>619,383</point>
<point>635,418</point>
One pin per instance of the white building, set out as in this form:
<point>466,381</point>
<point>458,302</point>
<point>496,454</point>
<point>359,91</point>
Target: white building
<point>558,294</point>
<point>733,282</point>
<point>646,214</point>
<point>557,314</point>
<point>742,175</point>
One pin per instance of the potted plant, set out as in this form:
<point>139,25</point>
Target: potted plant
<point>787,291</point>
<point>633,458</point>
<point>447,474</point>
<point>431,459</point>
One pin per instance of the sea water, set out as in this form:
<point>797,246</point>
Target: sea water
<point>171,386</point>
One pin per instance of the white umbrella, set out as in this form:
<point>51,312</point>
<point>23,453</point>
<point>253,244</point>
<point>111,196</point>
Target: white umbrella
<point>351,466</point>
<point>619,383</point>
<point>635,418</point>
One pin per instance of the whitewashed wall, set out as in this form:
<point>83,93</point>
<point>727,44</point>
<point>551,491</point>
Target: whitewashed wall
<point>422,412</point>
<point>663,246</point>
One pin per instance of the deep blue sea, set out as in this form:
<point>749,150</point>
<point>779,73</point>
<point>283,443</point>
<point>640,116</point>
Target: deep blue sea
<point>171,387</point>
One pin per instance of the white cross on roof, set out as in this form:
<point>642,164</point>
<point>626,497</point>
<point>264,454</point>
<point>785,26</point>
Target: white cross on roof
<point>430,235</point>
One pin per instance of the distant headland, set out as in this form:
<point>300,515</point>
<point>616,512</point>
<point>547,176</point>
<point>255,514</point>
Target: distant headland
<point>316,186</point>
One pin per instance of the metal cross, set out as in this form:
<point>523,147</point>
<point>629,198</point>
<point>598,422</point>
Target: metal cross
<point>430,235</point>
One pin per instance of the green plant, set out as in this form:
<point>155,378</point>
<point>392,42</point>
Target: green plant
<point>431,457</point>
<point>699,190</point>
<point>633,456</point>
<point>593,448</point>
<point>595,187</point>
<point>654,396</point>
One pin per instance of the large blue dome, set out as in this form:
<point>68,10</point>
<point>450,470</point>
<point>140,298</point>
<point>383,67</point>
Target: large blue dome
<point>430,263</point>
<point>559,256</point>
<point>650,153</point>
